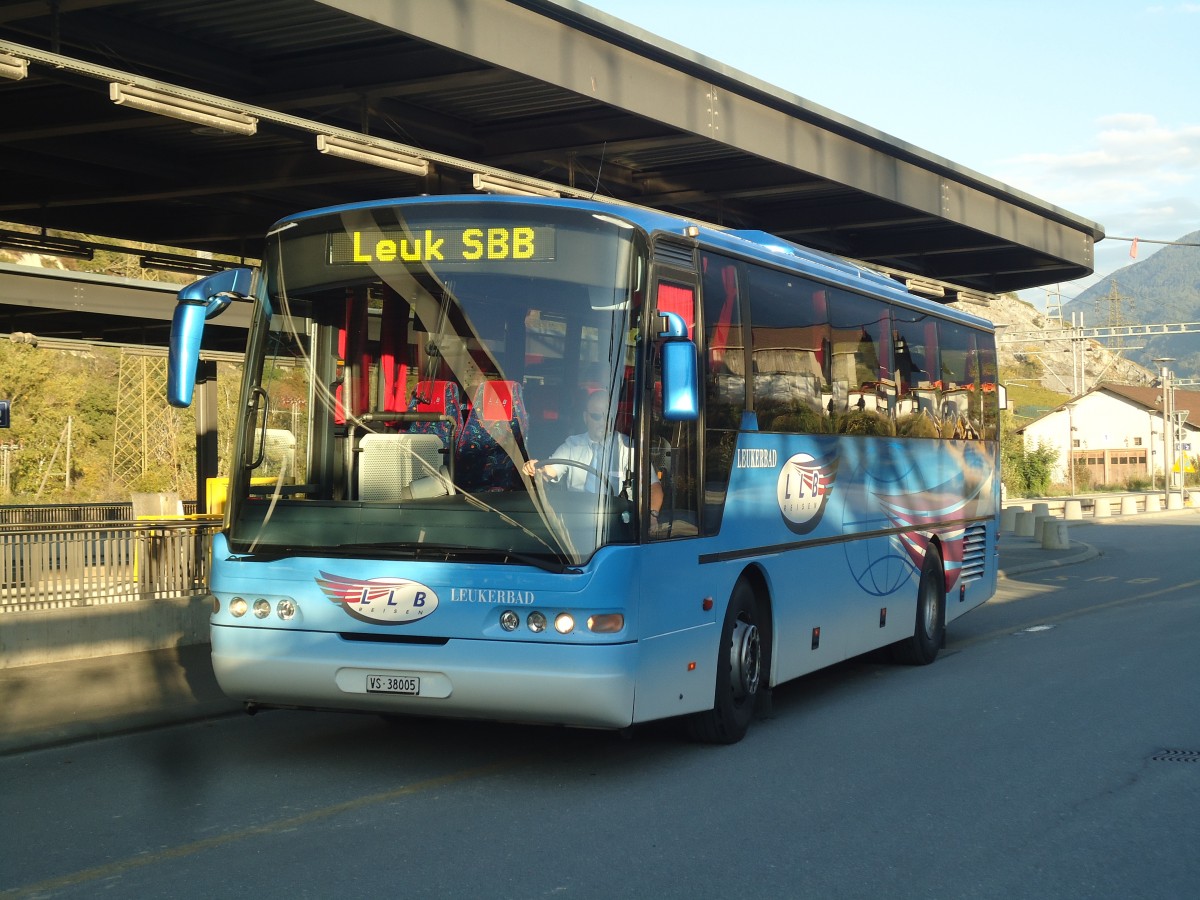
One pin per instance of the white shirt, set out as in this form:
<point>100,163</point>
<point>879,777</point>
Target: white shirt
<point>613,455</point>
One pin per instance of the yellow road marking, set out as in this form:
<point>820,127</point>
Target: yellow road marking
<point>120,867</point>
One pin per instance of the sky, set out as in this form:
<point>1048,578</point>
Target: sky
<point>1093,107</point>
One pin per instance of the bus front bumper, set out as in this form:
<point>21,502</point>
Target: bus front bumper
<point>560,684</point>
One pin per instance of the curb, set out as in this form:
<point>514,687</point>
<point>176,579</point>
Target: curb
<point>128,723</point>
<point>1083,554</point>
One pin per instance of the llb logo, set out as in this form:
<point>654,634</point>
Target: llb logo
<point>804,485</point>
<point>387,601</point>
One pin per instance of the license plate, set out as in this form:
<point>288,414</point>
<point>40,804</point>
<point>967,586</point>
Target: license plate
<point>393,684</point>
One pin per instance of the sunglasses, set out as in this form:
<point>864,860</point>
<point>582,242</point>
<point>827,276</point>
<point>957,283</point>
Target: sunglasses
<point>596,417</point>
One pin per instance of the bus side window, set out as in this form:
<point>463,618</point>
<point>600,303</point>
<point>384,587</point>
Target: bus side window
<point>989,393</point>
<point>863,388</point>
<point>724,380</point>
<point>918,407</point>
<point>961,397</point>
<point>788,334</point>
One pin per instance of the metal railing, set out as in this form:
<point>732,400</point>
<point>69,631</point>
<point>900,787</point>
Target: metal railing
<point>73,513</point>
<point>89,564</point>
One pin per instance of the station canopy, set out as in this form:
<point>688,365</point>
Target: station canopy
<point>196,124</point>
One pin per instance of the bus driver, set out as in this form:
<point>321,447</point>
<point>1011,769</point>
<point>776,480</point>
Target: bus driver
<point>608,455</point>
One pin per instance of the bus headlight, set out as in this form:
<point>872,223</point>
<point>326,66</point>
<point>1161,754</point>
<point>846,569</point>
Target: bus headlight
<point>564,623</point>
<point>286,609</point>
<point>509,620</point>
<point>536,622</point>
<point>238,607</point>
<point>262,608</point>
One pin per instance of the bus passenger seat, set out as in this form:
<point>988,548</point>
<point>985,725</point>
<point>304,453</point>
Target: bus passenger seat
<point>438,398</point>
<point>496,426</point>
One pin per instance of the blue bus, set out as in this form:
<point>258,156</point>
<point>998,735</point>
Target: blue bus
<point>577,463</point>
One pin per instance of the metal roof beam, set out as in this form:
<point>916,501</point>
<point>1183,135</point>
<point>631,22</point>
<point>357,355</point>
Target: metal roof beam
<point>800,137</point>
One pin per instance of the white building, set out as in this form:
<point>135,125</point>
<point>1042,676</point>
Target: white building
<point>1116,432</point>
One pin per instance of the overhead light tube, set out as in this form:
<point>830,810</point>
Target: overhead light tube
<point>362,152</point>
<point>163,104</point>
<point>13,67</point>
<point>971,297</point>
<point>45,245</point>
<point>494,184</point>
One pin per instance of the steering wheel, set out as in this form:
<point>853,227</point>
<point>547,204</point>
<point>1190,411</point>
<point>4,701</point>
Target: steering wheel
<point>591,470</point>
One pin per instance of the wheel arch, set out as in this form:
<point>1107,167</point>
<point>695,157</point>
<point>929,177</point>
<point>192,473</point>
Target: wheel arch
<point>756,577</point>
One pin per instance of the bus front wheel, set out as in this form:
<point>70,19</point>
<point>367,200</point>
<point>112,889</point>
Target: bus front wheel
<point>930,629</point>
<point>739,673</point>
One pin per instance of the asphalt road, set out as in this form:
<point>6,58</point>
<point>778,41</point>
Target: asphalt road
<point>1052,751</point>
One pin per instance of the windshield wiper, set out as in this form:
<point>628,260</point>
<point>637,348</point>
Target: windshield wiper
<point>445,552</point>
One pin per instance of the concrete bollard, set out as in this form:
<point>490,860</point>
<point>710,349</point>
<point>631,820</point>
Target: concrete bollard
<point>1056,536</point>
<point>1153,503</point>
<point>1041,509</point>
<point>1024,524</point>
<point>1072,509</point>
<point>1174,501</point>
<point>1008,518</point>
<point>1040,524</point>
<point>1102,508</point>
<point>1129,506</point>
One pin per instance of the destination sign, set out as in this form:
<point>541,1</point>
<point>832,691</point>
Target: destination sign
<point>444,244</point>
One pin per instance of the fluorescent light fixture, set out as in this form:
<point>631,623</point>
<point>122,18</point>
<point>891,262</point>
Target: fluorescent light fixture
<point>13,67</point>
<point>494,184</point>
<point>921,286</point>
<point>358,151</point>
<point>971,297</point>
<point>187,264</point>
<point>45,245</point>
<point>180,108</point>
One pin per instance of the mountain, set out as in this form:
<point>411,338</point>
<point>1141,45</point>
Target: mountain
<point>1161,289</point>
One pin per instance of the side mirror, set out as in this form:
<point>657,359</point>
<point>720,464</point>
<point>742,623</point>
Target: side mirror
<point>1002,396</point>
<point>680,371</point>
<point>199,301</point>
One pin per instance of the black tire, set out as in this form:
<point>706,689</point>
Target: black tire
<point>740,669</point>
<point>930,627</point>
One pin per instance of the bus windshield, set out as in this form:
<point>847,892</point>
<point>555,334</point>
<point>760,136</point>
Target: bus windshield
<point>419,376</point>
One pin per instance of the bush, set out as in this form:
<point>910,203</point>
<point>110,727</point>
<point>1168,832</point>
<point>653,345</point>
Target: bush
<point>1026,473</point>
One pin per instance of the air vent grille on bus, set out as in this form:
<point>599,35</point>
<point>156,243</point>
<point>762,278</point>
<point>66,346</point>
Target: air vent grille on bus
<point>974,553</point>
<point>673,254</point>
<point>370,638</point>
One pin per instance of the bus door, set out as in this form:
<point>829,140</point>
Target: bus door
<point>675,627</point>
<point>673,445</point>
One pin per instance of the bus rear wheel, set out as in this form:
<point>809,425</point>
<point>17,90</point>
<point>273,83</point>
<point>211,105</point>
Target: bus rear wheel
<point>740,670</point>
<point>930,628</point>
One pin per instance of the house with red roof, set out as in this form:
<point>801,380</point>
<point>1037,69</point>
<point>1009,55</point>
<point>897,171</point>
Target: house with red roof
<point>1115,432</point>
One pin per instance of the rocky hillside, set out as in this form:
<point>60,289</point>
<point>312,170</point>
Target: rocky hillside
<point>1051,362</point>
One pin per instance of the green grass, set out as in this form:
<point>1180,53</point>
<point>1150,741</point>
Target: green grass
<point>1029,395</point>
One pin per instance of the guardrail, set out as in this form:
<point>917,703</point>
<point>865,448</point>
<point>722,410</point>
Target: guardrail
<point>90,564</point>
